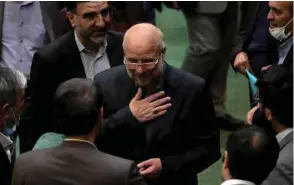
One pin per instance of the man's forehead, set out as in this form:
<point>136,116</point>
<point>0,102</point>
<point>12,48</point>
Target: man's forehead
<point>92,6</point>
<point>281,5</point>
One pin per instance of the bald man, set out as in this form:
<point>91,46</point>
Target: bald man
<point>157,115</point>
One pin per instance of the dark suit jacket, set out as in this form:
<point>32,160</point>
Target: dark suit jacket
<point>186,138</point>
<point>283,172</point>
<point>5,168</point>
<point>56,63</point>
<point>74,163</point>
<point>54,20</point>
<point>265,53</point>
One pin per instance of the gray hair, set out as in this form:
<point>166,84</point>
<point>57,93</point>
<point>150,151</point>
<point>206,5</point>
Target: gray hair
<point>10,81</point>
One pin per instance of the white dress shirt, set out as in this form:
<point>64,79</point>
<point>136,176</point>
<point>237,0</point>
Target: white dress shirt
<point>237,182</point>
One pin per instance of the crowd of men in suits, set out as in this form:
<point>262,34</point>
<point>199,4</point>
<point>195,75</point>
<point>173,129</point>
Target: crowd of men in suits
<point>88,105</point>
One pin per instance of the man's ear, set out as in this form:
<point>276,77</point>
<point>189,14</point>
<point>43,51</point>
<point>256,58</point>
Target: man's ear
<point>268,114</point>
<point>5,109</point>
<point>226,161</point>
<point>71,18</point>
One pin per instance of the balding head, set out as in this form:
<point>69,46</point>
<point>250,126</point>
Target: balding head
<point>144,37</point>
<point>144,54</point>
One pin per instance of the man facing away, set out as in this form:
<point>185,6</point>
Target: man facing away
<point>157,115</point>
<point>77,110</point>
<point>250,156</point>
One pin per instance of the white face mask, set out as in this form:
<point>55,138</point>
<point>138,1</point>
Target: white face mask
<point>279,33</point>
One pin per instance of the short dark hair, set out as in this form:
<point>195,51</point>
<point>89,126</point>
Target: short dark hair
<point>72,5</point>
<point>252,154</point>
<point>76,107</point>
<point>276,93</point>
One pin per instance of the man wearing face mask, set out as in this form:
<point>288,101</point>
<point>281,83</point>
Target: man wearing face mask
<point>12,85</point>
<point>280,17</point>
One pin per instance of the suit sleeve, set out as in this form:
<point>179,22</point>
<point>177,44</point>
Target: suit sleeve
<point>41,88</point>
<point>134,177</point>
<point>239,44</point>
<point>200,139</point>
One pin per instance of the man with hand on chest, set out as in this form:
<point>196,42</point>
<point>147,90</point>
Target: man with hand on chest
<point>155,114</point>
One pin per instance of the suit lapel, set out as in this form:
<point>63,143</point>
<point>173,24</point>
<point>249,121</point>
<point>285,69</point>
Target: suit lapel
<point>286,140</point>
<point>114,51</point>
<point>161,126</point>
<point>71,57</point>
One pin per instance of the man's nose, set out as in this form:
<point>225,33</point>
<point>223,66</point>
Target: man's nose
<point>100,22</point>
<point>139,69</point>
<point>270,16</point>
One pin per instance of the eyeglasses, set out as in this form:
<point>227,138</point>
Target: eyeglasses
<point>90,16</point>
<point>146,64</point>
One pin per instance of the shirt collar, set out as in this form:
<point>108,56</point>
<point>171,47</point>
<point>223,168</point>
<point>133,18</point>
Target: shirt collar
<point>5,141</point>
<point>283,134</point>
<point>79,140</point>
<point>237,182</point>
<point>82,48</point>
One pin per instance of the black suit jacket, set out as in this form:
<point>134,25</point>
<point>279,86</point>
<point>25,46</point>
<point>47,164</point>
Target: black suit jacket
<point>265,52</point>
<point>5,168</point>
<point>56,63</point>
<point>186,138</point>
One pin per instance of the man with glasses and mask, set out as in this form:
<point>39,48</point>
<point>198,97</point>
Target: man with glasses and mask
<point>12,85</point>
<point>155,114</point>
<point>83,53</point>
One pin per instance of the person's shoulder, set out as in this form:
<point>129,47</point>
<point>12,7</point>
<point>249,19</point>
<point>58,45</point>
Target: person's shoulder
<point>116,166</point>
<point>54,47</point>
<point>31,159</point>
<point>116,160</point>
<point>111,74</point>
<point>118,36</point>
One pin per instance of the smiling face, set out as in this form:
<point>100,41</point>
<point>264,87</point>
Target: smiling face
<point>281,14</point>
<point>91,20</point>
<point>144,56</point>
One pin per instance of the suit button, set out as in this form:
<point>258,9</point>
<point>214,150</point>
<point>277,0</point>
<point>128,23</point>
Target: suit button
<point>21,41</point>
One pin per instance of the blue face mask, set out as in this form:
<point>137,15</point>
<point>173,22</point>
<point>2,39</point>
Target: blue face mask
<point>8,131</point>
